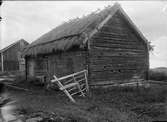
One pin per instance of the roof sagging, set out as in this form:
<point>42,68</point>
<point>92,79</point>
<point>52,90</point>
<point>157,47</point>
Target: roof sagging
<point>73,33</point>
<point>68,34</point>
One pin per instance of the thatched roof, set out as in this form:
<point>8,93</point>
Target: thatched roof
<point>70,33</point>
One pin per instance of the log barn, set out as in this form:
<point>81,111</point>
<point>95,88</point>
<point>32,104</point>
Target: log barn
<point>10,56</point>
<point>105,42</point>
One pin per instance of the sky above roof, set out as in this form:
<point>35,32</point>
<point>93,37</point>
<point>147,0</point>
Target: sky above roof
<point>31,19</point>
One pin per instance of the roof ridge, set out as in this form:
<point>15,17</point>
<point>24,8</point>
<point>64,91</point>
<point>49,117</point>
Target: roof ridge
<point>89,25</point>
<point>7,47</point>
<point>72,21</point>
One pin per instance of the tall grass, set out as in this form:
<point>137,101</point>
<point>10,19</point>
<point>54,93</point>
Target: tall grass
<point>153,94</point>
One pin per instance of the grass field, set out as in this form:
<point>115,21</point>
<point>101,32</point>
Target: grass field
<point>116,104</point>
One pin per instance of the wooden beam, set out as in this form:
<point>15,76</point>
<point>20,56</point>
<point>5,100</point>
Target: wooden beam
<point>78,85</point>
<point>61,86</point>
<point>71,75</point>
<point>88,36</point>
<point>2,61</point>
<point>87,86</point>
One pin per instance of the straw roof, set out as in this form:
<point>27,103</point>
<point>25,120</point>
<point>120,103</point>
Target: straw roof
<point>69,34</point>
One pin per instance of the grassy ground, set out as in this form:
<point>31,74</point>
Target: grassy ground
<point>116,104</point>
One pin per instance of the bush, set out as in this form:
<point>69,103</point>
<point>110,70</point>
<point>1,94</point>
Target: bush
<point>158,74</point>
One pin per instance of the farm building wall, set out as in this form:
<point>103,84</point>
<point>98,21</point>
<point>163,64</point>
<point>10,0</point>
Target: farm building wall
<point>12,60</point>
<point>10,57</point>
<point>59,64</point>
<point>0,63</point>
<point>117,53</point>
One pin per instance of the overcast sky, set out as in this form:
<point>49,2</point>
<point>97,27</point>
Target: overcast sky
<point>30,19</point>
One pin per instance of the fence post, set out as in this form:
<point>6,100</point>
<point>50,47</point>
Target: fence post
<point>86,75</point>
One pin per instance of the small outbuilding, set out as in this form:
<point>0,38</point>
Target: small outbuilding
<point>10,56</point>
<point>106,43</point>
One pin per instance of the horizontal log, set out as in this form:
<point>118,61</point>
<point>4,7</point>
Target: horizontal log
<point>109,73</point>
<point>115,40</point>
<point>117,58</point>
<point>108,76</point>
<point>116,43</point>
<point>118,55</point>
<point>117,49</point>
<point>111,62</point>
<point>109,38</point>
<point>114,69</point>
<point>114,52</point>
<point>102,77</point>
<point>112,34</point>
<point>107,45</point>
<point>111,41</point>
<point>114,28</point>
<point>116,64</point>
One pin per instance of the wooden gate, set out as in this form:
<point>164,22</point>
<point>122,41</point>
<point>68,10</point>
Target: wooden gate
<point>73,84</point>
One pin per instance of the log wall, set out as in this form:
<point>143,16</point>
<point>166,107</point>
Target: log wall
<point>60,64</point>
<point>116,53</point>
<point>66,63</point>
<point>12,56</point>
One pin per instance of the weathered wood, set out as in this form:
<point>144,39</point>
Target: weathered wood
<point>105,45</point>
<point>60,64</point>
<point>78,85</point>
<point>116,52</point>
<point>68,88</point>
<point>121,55</point>
<point>113,39</point>
<point>2,62</point>
<point>11,56</point>
<point>87,84</point>
<point>65,91</point>
<point>118,49</point>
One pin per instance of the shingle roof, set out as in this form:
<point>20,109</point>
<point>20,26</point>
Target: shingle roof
<point>70,33</point>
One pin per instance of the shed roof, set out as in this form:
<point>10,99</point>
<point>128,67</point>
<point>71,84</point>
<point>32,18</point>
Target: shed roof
<point>11,45</point>
<point>75,32</point>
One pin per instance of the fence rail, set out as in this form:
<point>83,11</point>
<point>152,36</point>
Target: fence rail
<point>76,83</point>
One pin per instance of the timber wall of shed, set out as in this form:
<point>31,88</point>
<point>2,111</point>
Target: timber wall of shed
<point>116,53</point>
<point>66,63</point>
<point>59,64</point>
<point>10,57</point>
